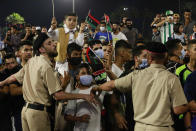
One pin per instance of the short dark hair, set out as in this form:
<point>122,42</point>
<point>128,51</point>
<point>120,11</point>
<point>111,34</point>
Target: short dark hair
<point>187,10</point>
<point>105,43</point>
<point>8,56</point>
<point>172,45</point>
<point>121,44</point>
<point>128,20</point>
<point>15,27</point>
<point>176,27</point>
<point>73,47</point>
<point>191,42</point>
<point>28,25</point>
<point>103,23</point>
<point>70,14</point>
<point>83,65</point>
<point>138,50</point>
<point>116,22</point>
<point>26,42</point>
<point>39,42</point>
<point>93,42</point>
<point>156,50</point>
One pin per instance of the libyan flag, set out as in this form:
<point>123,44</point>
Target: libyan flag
<point>97,66</point>
<point>92,21</point>
<point>107,20</point>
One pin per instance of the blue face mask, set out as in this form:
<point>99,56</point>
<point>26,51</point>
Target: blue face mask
<point>183,52</point>
<point>0,61</point>
<point>144,64</point>
<point>18,60</point>
<point>86,80</point>
<point>99,53</point>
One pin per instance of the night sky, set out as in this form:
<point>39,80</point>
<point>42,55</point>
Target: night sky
<point>39,12</point>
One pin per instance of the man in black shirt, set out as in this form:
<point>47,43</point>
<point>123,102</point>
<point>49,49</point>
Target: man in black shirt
<point>27,35</point>
<point>176,54</point>
<point>15,90</point>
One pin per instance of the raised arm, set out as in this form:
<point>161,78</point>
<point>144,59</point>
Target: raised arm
<point>53,31</point>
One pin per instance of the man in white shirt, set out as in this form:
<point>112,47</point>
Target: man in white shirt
<point>117,34</point>
<point>67,69</point>
<point>122,55</point>
<point>66,35</point>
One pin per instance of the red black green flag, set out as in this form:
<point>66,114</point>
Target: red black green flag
<point>96,64</point>
<point>108,24</point>
<point>92,21</point>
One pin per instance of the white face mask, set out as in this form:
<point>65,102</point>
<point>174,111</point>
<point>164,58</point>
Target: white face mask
<point>18,60</point>
<point>171,17</point>
<point>102,29</point>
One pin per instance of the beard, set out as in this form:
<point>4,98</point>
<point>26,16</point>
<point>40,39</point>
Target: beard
<point>53,54</point>
<point>114,30</point>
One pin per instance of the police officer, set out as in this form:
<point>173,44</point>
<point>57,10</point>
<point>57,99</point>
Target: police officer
<point>155,92</point>
<point>40,85</point>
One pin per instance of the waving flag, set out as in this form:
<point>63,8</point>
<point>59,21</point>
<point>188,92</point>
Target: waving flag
<point>96,64</point>
<point>107,20</point>
<point>92,20</point>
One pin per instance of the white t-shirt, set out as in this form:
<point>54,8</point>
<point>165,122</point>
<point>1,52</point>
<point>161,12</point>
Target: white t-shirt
<point>120,36</point>
<point>116,70</point>
<point>61,68</point>
<point>85,108</point>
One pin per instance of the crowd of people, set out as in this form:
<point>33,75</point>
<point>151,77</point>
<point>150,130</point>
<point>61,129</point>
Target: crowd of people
<point>82,78</point>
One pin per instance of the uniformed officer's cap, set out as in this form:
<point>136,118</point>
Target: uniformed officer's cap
<point>39,41</point>
<point>156,47</point>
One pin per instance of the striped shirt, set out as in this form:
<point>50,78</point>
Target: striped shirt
<point>166,32</point>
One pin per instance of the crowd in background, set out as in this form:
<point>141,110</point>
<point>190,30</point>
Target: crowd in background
<point>119,51</point>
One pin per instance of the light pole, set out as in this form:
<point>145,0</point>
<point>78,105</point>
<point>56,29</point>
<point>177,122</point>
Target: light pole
<point>73,6</point>
<point>179,6</point>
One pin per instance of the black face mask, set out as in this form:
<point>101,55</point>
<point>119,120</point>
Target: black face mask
<point>75,60</point>
<point>129,64</point>
<point>114,30</point>
<point>129,27</point>
<point>186,59</point>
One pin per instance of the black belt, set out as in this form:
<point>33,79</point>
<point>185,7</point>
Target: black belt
<point>39,107</point>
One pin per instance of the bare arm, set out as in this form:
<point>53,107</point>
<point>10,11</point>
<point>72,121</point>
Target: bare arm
<point>111,75</point>
<point>161,23</point>
<point>69,96</point>
<point>26,37</point>
<point>108,86</point>
<point>181,109</point>
<point>4,90</point>
<point>8,80</point>
<point>84,118</point>
<point>187,120</point>
<point>192,105</point>
<point>15,90</point>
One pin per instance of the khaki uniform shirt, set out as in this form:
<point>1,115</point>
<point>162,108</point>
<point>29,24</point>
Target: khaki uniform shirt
<point>39,80</point>
<point>155,91</point>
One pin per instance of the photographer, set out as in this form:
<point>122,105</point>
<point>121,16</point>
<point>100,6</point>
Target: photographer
<point>167,26</point>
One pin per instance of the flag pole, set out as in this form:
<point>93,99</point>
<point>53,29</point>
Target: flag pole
<point>53,8</point>
<point>88,15</point>
<point>107,28</point>
<point>96,56</point>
